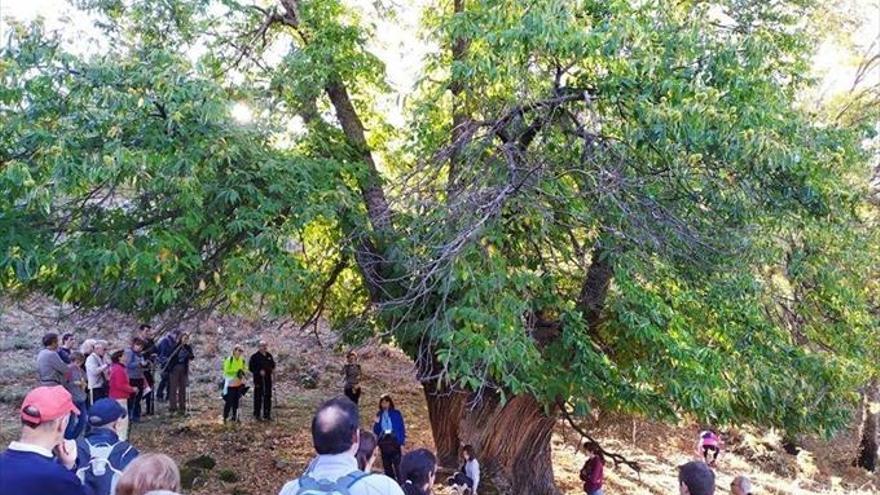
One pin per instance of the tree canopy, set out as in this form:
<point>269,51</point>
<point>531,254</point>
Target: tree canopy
<point>624,205</point>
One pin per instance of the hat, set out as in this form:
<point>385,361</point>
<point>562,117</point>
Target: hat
<point>105,411</point>
<point>44,404</point>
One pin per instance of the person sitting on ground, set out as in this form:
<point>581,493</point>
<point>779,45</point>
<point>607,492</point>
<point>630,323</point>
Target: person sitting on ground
<point>709,442</point>
<point>96,373</point>
<point>42,461</point>
<point>233,385</point>
<point>68,340</point>
<point>102,456</point>
<point>76,385</point>
<point>262,365</point>
<point>120,388</point>
<point>593,472</point>
<point>391,432</point>
<point>150,473</point>
<point>366,454</point>
<point>696,478</point>
<point>351,376</point>
<point>467,479</point>
<point>417,472</point>
<point>741,485</point>
<point>51,369</point>
<point>335,435</point>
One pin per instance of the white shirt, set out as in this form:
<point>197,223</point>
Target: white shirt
<point>472,470</point>
<point>29,447</point>
<point>333,467</point>
<point>95,371</point>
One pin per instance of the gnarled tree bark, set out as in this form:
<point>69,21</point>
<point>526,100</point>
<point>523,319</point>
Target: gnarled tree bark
<point>867,453</point>
<point>512,439</point>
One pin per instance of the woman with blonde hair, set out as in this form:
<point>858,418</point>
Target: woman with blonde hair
<point>149,473</point>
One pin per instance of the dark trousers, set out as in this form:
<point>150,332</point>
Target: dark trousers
<point>177,389</point>
<point>148,398</point>
<point>97,393</point>
<point>262,397</point>
<point>390,456</point>
<point>162,390</point>
<point>353,393</point>
<point>230,403</point>
<point>134,402</point>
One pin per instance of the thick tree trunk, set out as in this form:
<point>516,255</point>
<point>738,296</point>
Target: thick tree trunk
<point>595,288</point>
<point>512,440</point>
<point>867,454</point>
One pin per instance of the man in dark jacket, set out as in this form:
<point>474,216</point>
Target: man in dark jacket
<point>166,346</point>
<point>261,366</point>
<point>151,355</point>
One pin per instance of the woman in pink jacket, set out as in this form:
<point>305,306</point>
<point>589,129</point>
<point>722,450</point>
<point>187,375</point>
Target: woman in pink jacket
<point>120,390</point>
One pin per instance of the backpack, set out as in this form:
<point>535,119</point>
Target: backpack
<point>311,486</point>
<point>99,473</point>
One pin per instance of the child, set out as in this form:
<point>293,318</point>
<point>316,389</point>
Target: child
<point>593,472</point>
<point>709,442</point>
<point>467,479</point>
<point>351,373</point>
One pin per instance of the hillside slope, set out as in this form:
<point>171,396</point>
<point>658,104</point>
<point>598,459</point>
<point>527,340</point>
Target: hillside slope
<point>258,458</point>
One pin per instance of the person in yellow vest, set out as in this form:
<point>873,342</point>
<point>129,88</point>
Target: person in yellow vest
<point>234,374</point>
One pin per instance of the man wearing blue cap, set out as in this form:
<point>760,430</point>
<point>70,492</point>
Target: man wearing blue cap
<point>101,455</point>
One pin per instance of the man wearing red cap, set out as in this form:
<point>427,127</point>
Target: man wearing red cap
<point>42,462</point>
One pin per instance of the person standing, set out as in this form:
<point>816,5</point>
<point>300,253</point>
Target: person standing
<point>134,364</point>
<point>97,370</point>
<point>68,340</point>
<point>42,461</point>
<point>696,478</point>
<point>233,384</point>
<point>51,369</point>
<point>177,371</point>
<point>351,374</point>
<point>120,388</point>
<point>741,485</point>
<point>76,385</point>
<point>417,472</point>
<point>101,454</point>
<point>150,354</point>
<point>391,432</point>
<point>166,346</point>
<point>593,472</point>
<point>261,365</point>
<point>335,436</point>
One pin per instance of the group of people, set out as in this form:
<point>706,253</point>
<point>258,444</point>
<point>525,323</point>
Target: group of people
<point>694,478</point>
<point>125,374</point>
<point>43,461</point>
<point>75,426</point>
<point>345,455</point>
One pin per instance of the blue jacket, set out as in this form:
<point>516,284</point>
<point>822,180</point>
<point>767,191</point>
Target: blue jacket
<point>121,456</point>
<point>29,473</point>
<point>397,426</point>
<point>165,348</point>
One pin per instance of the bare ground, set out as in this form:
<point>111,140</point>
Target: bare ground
<point>263,456</point>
